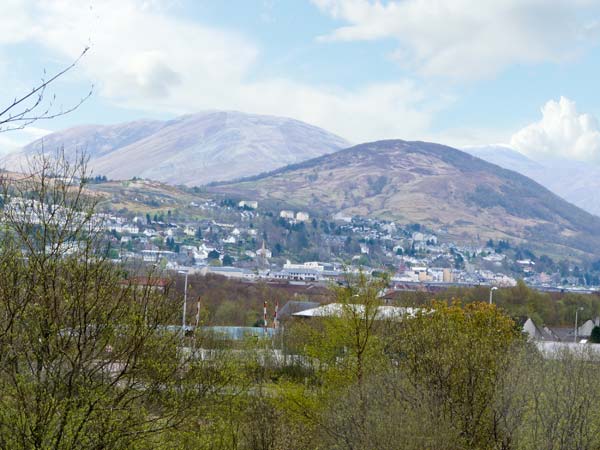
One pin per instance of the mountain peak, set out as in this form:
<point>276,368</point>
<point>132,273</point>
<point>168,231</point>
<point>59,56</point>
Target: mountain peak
<point>192,149</point>
<point>430,184</point>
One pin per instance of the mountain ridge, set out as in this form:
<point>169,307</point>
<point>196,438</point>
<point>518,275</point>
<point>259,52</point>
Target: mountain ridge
<point>575,181</point>
<point>192,149</point>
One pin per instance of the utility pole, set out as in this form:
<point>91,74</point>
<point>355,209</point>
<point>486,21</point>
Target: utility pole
<point>576,327</point>
<point>184,302</point>
<point>494,288</point>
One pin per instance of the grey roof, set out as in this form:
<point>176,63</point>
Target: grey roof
<point>294,306</point>
<point>339,309</point>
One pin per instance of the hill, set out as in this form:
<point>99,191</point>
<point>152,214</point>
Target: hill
<point>192,149</point>
<point>443,188</point>
<point>575,181</point>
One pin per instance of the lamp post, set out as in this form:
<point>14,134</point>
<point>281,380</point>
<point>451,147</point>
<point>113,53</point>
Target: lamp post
<point>576,327</point>
<point>184,302</point>
<point>494,288</point>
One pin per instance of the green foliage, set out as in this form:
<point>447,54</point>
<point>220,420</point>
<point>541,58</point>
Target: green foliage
<point>595,336</point>
<point>213,254</point>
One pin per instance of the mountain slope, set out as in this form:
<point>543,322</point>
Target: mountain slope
<point>576,182</point>
<point>432,184</point>
<point>193,149</point>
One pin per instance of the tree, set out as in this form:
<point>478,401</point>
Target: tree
<point>37,104</point>
<point>348,348</point>
<point>85,360</point>
<point>456,356</point>
<point>213,254</point>
<point>227,260</point>
<point>595,336</point>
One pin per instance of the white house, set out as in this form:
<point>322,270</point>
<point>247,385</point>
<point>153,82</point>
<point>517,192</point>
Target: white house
<point>252,204</point>
<point>302,216</point>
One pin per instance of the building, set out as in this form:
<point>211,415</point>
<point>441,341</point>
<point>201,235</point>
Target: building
<point>302,216</point>
<point>157,255</point>
<point>251,204</point>
<point>291,307</point>
<point>338,310</point>
<point>229,272</point>
<point>298,274</point>
<point>286,214</point>
<point>447,276</point>
<point>264,252</point>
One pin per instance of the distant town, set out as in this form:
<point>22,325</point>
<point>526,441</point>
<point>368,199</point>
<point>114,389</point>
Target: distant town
<point>240,239</point>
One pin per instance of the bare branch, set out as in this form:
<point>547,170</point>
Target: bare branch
<point>25,110</point>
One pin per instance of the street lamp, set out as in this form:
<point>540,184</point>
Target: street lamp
<point>494,288</point>
<point>184,301</point>
<point>576,327</point>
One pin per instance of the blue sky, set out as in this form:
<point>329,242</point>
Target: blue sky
<point>461,72</point>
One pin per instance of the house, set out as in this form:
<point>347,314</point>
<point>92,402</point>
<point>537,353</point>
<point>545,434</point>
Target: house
<point>529,327</point>
<point>129,228</point>
<point>157,255</point>
<point>251,204</point>
<point>149,232</point>
<point>286,214</point>
<point>302,216</point>
<point>418,236</point>
<point>585,330</point>
<point>342,218</point>
<point>189,231</point>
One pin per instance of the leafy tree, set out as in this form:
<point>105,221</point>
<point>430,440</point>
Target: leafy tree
<point>85,361</point>
<point>454,357</point>
<point>227,260</point>
<point>213,254</point>
<point>346,344</point>
<point>595,336</point>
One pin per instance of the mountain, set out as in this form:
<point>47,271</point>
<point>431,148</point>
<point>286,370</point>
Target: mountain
<point>443,188</point>
<point>193,149</point>
<point>575,181</point>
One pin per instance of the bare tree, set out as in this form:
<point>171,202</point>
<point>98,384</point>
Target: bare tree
<point>39,103</point>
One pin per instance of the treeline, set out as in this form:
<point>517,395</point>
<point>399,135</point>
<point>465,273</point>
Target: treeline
<point>545,308</point>
<point>232,302</point>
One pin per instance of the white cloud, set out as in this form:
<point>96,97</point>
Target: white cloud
<point>147,57</point>
<point>469,38</point>
<point>562,133</point>
<point>15,140</point>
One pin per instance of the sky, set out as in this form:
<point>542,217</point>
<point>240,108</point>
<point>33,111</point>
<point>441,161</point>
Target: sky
<point>522,73</point>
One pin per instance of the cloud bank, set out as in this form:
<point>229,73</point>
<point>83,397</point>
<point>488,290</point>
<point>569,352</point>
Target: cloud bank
<point>561,133</point>
<point>467,39</point>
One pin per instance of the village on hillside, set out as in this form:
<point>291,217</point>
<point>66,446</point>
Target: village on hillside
<point>243,240</point>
